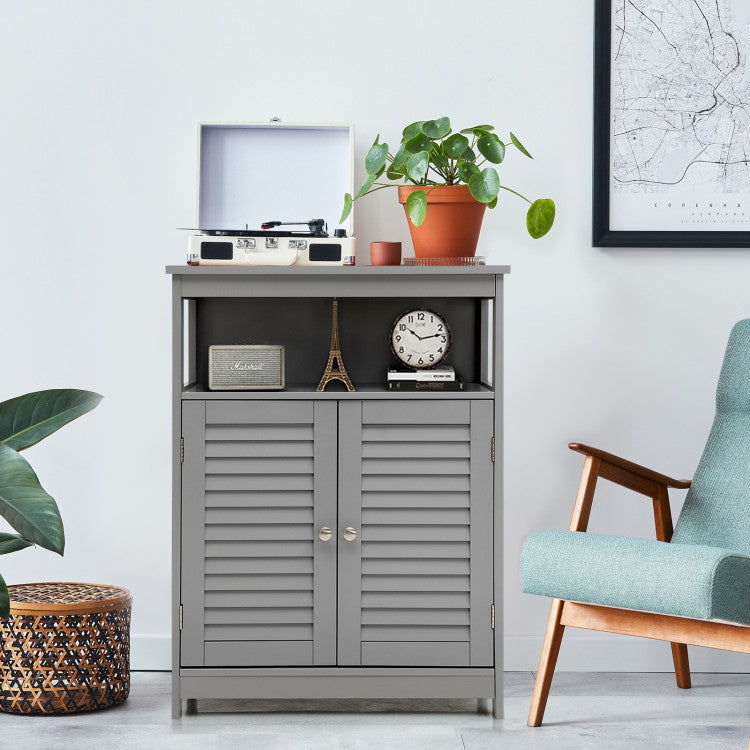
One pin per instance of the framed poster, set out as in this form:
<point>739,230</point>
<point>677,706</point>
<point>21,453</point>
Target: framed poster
<point>672,123</point>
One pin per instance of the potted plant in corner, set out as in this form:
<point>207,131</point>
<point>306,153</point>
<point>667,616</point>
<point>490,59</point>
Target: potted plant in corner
<point>24,504</point>
<point>446,172</point>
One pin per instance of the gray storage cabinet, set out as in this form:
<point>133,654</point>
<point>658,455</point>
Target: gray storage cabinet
<point>336,544</point>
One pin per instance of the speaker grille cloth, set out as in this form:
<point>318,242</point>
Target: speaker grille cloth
<point>246,367</point>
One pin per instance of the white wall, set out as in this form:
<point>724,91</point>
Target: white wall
<point>100,101</point>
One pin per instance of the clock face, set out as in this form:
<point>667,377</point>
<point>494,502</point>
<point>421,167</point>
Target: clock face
<point>420,339</point>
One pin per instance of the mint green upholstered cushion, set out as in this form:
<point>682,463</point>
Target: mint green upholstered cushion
<point>678,579</point>
<point>717,506</point>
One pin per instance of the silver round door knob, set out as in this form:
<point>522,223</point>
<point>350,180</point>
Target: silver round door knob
<point>325,534</point>
<point>350,534</point>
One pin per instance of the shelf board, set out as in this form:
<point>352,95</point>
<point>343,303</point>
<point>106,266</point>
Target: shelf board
<point>365,391</point>
<point>343,271</point>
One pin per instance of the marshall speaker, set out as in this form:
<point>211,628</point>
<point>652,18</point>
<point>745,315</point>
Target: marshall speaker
<point>245,368</point>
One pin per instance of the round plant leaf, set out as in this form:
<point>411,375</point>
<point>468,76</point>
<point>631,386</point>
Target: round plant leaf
<point>25,420</point>
<point>411,130</point>
<point>4,600</point>
<point>375,159</point>
<point>479,129</point>
<point>484,185</point>
<point>455,145</point>
<point>491,147</point>
<point>12,543</point>
<point>347,207</point>
<point>417,166</point>
<point>436,129</point>
<point>540,217</point>
<point>25,505</point>
<point>519,146</point>
<point>492,203</point>
<point>466,170</point>
<point>469,155</point>
<point>416,207</point>
<point>418,143</point>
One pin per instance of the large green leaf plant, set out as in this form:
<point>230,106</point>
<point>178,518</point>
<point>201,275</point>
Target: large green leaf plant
<point>24,504</point>
<point>431,154</point>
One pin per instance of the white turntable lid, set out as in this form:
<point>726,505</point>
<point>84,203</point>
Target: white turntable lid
<point>256,172</point>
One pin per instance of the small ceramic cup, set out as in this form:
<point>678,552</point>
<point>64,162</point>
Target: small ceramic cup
<point>385,253</point>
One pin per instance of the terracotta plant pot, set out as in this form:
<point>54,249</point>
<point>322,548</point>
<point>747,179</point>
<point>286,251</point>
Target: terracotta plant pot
<point>385,253</point>
<point>451,227</point>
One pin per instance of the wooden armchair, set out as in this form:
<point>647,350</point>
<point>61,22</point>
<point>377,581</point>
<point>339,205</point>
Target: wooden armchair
<point>690,587</point>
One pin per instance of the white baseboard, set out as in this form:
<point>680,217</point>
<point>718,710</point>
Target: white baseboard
<point>579,653</point>
<point>605,652</point>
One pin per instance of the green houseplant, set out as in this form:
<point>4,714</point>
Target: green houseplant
<point>24,504</point>
<point>432,157</point>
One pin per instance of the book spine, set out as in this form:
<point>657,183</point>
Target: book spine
<point>425,385</point>
<point>423,375</point>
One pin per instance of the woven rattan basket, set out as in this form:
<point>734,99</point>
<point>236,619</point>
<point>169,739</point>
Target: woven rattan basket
<point>66,648</point>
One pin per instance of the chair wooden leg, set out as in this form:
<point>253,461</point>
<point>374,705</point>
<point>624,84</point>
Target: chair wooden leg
<point>681,664</point>
<point>547,661</point>
<point>664,530</point>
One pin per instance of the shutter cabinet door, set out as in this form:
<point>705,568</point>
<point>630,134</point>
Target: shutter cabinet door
<point>415,481</point>
<point>258,585</point>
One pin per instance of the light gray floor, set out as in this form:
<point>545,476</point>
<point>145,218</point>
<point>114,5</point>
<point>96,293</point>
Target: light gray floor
<point>610,711</point>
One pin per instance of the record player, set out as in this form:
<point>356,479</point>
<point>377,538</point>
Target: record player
<point>251,171</point>
<point>266,247</point>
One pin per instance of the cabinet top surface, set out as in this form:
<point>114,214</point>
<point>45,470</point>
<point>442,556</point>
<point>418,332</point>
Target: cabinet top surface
<point>347,271</point>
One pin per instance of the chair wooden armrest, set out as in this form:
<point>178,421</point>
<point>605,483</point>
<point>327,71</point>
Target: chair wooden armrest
<point>627,473</point>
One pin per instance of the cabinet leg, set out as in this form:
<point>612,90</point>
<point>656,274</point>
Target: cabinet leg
<point>497,708</point>
<point>176,705</point>
<point>192,707</point>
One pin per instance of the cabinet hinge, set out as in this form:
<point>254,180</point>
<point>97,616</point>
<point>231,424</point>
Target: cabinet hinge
<point>492,616</point>
<point>492,448</point>
<point>180,617</point>
<point>182,450</point>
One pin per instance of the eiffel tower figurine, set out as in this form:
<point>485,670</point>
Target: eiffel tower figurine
<point>337,371</point>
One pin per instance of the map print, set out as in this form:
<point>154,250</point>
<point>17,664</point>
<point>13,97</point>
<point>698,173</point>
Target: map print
<point>680,105</point>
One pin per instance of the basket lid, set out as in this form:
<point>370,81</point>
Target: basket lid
<point>59,597</point>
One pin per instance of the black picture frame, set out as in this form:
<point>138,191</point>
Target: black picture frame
<point>602,235</point>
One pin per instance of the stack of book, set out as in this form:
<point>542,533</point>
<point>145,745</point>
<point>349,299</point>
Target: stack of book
<point>437,379</point>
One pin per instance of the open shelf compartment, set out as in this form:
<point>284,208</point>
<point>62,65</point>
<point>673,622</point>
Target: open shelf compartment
<point>303,327</point>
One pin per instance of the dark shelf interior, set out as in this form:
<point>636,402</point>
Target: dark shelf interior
<point>303,327</point>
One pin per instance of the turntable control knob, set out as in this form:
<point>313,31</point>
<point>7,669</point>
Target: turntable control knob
<point>339,232</point>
